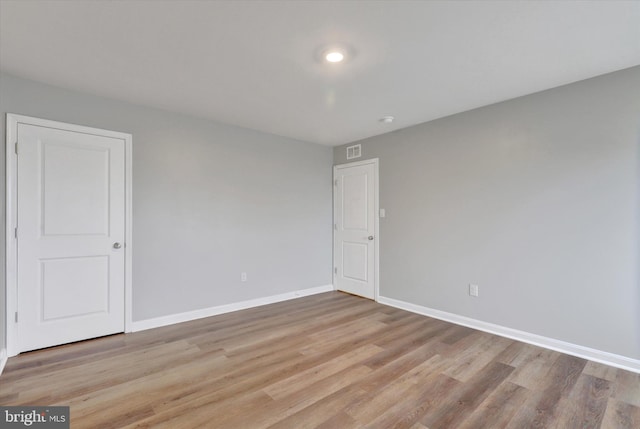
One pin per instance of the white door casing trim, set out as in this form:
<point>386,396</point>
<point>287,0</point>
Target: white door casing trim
<point>376,217</point>
<point>11,249</point>
<point>3,359</point>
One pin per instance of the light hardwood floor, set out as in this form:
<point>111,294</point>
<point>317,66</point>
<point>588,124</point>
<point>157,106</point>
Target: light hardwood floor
<point>327,361</point>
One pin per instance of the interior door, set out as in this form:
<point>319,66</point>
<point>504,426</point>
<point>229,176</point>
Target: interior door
<point>355,228</point>
<point>70,236</point>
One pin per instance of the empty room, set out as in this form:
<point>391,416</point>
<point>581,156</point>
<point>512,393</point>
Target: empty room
<point>320,214</point>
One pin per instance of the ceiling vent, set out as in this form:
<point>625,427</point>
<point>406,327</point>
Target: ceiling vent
<point>354,151</point>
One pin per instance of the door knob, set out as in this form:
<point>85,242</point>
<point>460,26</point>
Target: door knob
<point>117,245</point>
<point>370,237</point>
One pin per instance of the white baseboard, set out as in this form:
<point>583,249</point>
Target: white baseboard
<point>157,322</point>
<point>3,359</point>
<point>595,355</point>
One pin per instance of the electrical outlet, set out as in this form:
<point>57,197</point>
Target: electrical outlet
<point>473,290</point>
<point>243,277</point>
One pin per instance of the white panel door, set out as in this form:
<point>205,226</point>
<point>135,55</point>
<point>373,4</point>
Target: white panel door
<point>354,240</point>
<point>71,230</point>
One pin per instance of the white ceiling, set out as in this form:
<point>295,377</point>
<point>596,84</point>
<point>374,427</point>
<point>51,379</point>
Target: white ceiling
<point>255,63</point>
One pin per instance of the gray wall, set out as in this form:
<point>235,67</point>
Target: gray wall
<point>209,201</point>
<point>533,199</point>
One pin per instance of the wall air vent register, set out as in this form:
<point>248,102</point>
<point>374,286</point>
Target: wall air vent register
<point>354,151</point>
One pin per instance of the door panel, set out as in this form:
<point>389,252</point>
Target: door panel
<point>70,212</point>
<point>355,261</point>
<point>354,200</point>
<point>72,287</point>
<point>65,197</point>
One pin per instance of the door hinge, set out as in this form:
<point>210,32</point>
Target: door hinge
<point>15,232</point>
<point>335,182</point>
<point>16,317</point>
<point>16,148</point>
<point>335,226</point>
<point>335,270</point>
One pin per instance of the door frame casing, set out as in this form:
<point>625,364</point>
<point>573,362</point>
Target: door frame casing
<point>376,217</point>
<point>11,216</point>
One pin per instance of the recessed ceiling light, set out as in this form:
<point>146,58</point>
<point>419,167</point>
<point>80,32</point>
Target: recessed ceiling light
<point>386,119</point>
<point>334,56</point>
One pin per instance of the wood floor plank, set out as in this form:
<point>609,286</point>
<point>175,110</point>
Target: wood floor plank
<point>620,415</point>
<point>398,343</point>
<point>468,396</point>
<point>325,361</point>
<point>586,405</point>
<point>340,420</point>
<point>541,408</point>
<point>321,400</point>
<point>126,396</point>
<point>531,367</point>
<point>304,379</point>
<point>601,371</point>
<point>498,408</point>
<point>112,371</point>
<point>416,401</point>
<point>470,360</point>
<point>319,403</point>
<point>512,355</point>
<point>397,368</point>
<point>627,387</point>
<point>371,405</point>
